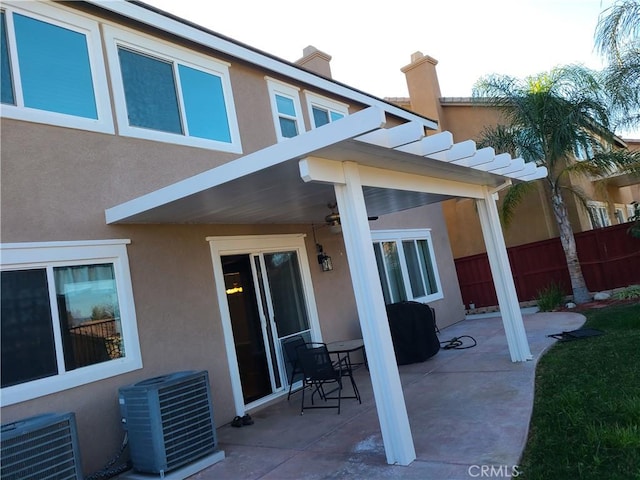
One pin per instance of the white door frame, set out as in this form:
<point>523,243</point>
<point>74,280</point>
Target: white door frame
<point>248,244</point>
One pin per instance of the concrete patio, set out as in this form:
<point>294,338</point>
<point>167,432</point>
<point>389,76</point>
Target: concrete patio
<point>467,409</point>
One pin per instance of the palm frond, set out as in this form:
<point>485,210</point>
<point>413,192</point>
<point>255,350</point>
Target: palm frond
<point>512,198</point>
<point>618,26</point>
<point>617,39</point>
<point>581,196</point>
<point>549,115</point>
<point>618,161</point>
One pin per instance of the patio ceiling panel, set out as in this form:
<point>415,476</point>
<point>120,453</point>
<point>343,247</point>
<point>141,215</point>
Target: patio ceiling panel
<point>265,187</point>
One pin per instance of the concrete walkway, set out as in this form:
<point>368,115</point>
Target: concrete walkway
<point>468,410</point>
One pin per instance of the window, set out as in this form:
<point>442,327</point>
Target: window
<point>583,151</point>
<point>166,94</point>
<point>406,265</point>
<point>52,69</point>
<point>287,112</point>
<point>598,214</point>
<point>323,110</point>
<point>67,316</point>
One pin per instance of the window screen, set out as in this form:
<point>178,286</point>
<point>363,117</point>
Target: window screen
<point>28,348</point>
<point>150,92</point>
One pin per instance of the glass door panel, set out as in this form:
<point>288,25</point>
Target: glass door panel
<point>247,327</point>
<point>263,288</point>
<point>287,293</point>
<point>267,305</point>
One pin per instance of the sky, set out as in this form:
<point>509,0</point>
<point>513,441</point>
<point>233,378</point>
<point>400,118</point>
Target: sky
<point>370,41</point>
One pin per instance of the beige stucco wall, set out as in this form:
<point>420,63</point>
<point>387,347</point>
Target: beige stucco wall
<point>466,120</point>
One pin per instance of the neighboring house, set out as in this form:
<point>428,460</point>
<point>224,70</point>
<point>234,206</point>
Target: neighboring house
<point>164,194</point>
<point>611,199</point>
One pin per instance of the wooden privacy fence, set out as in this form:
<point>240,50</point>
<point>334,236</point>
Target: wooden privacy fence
<point>609,257</point>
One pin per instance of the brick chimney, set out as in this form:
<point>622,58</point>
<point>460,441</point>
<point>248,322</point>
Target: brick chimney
<point>423,85</point>
<point>316,61</point>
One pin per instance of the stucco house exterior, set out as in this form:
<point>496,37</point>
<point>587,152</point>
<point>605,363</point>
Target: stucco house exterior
<point>164,199</point>
<point>611,200</point>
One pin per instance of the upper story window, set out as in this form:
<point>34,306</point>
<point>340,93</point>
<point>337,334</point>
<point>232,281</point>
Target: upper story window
<point>599,214</point>
<point>167,94</point>
<point>52,68</point>
<point>286,109</point>
<point>324,110</point>
<point>68,316</point>
<point>406,265</point>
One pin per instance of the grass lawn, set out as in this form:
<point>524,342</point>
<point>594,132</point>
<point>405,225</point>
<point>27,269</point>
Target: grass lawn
<point>586,414</point>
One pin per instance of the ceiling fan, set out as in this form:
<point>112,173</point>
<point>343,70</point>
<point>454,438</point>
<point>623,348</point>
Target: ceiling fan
<point>333,219</point>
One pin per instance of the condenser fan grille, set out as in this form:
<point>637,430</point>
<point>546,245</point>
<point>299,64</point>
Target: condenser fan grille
<point>186,421</point>
<point>43,448</point>
<point>169,420</point>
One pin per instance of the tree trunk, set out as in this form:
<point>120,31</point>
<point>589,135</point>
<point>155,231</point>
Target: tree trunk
<point>578,285</point>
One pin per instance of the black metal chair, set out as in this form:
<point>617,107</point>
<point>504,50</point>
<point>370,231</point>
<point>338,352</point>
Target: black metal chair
<point>291,346</point>
<point>319,370</point>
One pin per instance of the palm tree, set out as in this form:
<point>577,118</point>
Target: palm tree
<point>548,118</point>
<point>617,39</point>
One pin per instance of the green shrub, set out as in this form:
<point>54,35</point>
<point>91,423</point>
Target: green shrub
<point>629,293</point>
<point>550,297</point>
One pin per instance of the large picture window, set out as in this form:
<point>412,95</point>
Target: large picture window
<point>65,320</point>
<point>52,68</point>
<point>406,265</point>
<point>166,94</point>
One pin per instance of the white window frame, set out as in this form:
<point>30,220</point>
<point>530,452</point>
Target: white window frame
<point>23,256</point>
<point>399,236</point>
<point>285,90</point>
<point>315,100</point>
<point>620,213</point>
<point>600,211</point>
<point>120,37</point>
<point>59,17</point>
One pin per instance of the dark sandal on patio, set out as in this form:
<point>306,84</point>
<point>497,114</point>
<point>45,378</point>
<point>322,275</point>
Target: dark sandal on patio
<point>247,420</point>
<point>236,422</point>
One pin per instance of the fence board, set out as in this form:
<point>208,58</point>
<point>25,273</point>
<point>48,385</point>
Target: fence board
<point>609,257</point>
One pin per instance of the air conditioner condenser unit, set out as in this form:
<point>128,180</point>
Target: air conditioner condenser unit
<point>169,421</point>
<point>44,447</point>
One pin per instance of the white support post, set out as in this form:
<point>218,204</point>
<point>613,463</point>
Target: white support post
<point>385,378</point>
<point>503,279</point>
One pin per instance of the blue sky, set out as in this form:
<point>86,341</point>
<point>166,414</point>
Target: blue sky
<point>371,41</point>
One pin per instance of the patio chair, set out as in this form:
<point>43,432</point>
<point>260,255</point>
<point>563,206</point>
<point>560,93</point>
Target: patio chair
<point>291,346</point>
<point>319,370</point>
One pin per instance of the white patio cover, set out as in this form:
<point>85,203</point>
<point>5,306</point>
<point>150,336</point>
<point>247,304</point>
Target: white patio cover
<point>370,170</point>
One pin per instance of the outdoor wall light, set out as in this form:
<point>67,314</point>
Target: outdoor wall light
<point>324,260</point>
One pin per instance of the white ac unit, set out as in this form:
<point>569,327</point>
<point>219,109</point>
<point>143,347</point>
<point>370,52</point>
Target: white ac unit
<point>44,447</point>
<point>169,420</point>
